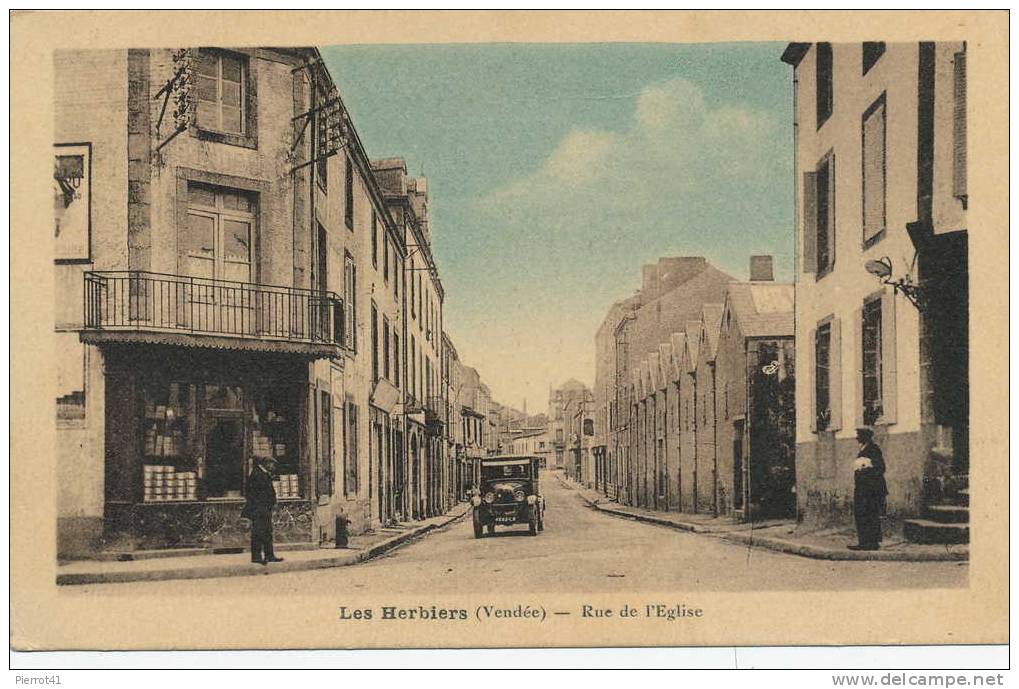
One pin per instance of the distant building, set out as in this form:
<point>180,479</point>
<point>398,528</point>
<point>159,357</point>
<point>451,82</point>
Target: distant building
<point>673,292</point>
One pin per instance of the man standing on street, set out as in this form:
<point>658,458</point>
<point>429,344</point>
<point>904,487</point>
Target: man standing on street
<point>869,491</point>
<point>260,500</point>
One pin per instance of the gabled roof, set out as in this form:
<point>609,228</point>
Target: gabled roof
<point>693,341</point>
<point>654,364</point>
<point>762,309</point>
<point>664,364</point>
<point>711,316</point>
<point>678,341</point>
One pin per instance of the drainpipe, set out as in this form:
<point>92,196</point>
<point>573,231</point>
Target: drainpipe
<point>714,439</point>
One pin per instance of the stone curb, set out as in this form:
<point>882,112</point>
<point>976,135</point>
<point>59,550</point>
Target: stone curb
<point>780,544</point>
<point>248,569</point>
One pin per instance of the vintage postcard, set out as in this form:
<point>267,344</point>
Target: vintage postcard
<point>501,329</point>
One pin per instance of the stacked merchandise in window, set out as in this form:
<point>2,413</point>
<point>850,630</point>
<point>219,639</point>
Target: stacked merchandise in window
<point>164,483</point>
<point>267,441</point>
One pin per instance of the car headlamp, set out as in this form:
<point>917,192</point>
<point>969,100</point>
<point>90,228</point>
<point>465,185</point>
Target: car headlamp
<point>489,497</point>
<point>519,495</point>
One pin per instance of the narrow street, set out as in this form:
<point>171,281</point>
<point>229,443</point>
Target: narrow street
<point>580,550</point>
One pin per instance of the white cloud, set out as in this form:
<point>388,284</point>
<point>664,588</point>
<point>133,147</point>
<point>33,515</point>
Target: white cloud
<point>676,150</point>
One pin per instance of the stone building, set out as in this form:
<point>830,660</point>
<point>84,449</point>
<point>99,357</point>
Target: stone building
<point>754,430</point>
<point>673,291</point>
<point>882,280</point>
<point>424,402</point>
<point>214,209</point>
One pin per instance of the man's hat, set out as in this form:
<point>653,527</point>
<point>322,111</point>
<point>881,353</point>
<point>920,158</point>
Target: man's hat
<point>865,430</point>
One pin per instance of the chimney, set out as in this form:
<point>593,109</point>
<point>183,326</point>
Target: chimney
<point>761,269</point>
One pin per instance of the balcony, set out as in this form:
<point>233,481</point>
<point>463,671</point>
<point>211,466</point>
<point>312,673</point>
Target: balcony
<point>435,409</point>
<point>139,306</point>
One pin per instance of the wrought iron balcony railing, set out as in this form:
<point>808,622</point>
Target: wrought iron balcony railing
<point>435,408</point>
<point>140,301</point>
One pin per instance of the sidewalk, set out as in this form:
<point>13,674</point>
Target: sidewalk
<point>784,536</point>
<point>360,549</point>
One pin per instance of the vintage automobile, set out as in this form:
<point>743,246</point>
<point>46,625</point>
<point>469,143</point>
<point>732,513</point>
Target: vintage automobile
<point>507,493</point>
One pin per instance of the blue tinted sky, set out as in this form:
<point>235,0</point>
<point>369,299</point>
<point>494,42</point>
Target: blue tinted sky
<point>556,171</point>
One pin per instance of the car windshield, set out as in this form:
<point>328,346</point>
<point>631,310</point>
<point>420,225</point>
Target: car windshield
<point>497,471</point>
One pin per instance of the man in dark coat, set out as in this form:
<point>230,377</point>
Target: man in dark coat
<point>869,491</point>
<point>261,497</point>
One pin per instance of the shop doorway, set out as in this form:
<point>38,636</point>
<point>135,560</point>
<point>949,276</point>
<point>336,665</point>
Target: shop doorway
<point>224,457</point>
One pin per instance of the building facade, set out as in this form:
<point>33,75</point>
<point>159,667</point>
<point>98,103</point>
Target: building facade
<point>882,280</point>
<point>237,280</point>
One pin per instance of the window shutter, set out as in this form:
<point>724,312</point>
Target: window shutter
<point>874,172</point>
<point>858,366</point>
<point>889,388</point>
<point>835,375</point>
<point>812,368</point>
<point>808,259</point>
<point>959,127</point>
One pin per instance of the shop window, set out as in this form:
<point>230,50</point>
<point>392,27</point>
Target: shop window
<point>874,185</point>
<point>872,51</point>
<point>824,82</point>
<point>872,359</point>
<point>169,421</point>
<point>273,429</point>
<point>216,242</point>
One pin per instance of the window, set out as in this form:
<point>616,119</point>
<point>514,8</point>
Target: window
<point>350,300</point>
<point>221,91</point>
<point>872,50</point>
<point>385,257</point>
<point>396,357</point>
<point>216,241</point>
<point>397,274</point>
<point>375,343</point>
<point>959,129</point>
<point>421,305</point>
<point>822,379</point>
<point>350,456</point>
<point>825,90</point>
<point>413,312</point>
<point>386,371</point>
<point>825,220</point>
<point>412,378</point>
<point>348,196</point>
<point>325,443</point>
<point>375,240</point>
<point>874,185</point>
<point>872,360</point>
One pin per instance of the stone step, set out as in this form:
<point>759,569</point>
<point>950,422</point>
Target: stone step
<point>948,514</point>
<point>927,531</point>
